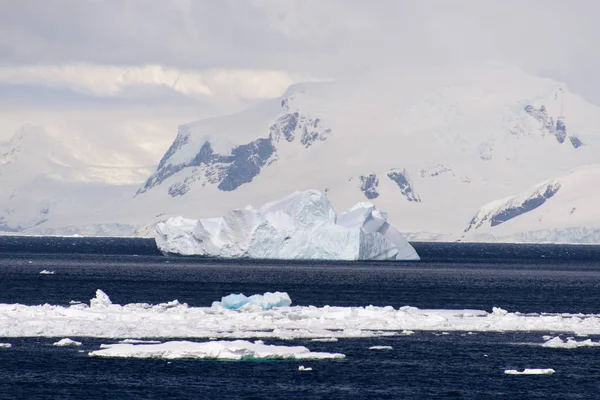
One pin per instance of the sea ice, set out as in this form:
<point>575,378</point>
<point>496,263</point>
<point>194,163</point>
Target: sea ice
<point>5,345</point>
<point>46,272</point>
<point>67,342</point>
<point>102,318</point>
<point>329,339</point>
<point>221,350</point>
<point>303,368</point>
<point>265,301</point>
<point>302,225</point>
<point>530,371</point>
<point>558,343</point>
<point>139,341</point>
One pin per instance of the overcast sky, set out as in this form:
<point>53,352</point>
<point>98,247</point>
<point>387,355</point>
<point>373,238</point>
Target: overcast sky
<point>84,63</point>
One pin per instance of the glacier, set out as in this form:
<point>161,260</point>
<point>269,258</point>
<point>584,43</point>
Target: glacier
<point>302,225</point>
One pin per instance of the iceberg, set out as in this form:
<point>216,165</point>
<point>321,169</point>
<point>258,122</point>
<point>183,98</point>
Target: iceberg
<point>300,226</point>
<point>237,350</point>
<point>263,301</point>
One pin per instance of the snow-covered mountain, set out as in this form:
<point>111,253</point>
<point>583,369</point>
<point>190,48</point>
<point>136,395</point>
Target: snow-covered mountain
<point>45,189</point>
<point>564,209</point>
<point>430,148</point>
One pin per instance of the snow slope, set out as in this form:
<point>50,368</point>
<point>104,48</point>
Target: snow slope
<point>45,189</point>
<point>564,209</point>
<point>430,148</point>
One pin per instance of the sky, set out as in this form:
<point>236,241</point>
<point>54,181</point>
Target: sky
<point>123,74</point>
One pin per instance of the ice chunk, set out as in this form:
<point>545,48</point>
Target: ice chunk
<point>101,300</point>
<point>302,225</point>
<point>329,339</point>
<point>262,301</point>
<point>46,272</point>
<point>530,371</point>
<point>558,343</point>
<point>67,342</point>
<point>5,345</point>
<point>303,368</point>
<point>381,348</point>
<point>221,350</point>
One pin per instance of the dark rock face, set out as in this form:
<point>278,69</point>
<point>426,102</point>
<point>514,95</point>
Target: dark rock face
<point>575,142</point>
<point>368,185</point>
<point>514,210</point>
<point>403,182</point>
<point>531,203</point>
<point>244,163</point>
<point>556,128</point>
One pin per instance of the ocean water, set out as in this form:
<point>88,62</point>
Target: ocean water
<point>523,278</point>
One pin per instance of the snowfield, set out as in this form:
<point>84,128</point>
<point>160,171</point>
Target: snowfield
<point>168,320</point>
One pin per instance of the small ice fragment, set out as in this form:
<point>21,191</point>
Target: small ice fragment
<point>546,337</point>
<point>46,272</point>
<point>407,333</point>
<point>259,342</point>
<point>530,371</point>
<point>303,368</point>
<point>5,345</point>
<point>445,333</point>
<point>381,348</point>
<point>29,262</point>
<point>66,342</point>
<point>327,339</point>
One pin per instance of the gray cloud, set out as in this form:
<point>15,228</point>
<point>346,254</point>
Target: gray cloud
<point>264,44</point>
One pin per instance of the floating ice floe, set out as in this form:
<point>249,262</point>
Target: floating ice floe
<point>558,343</point>
<point>102,318</point>
<point>218,350</point>
<point>5,345</point>
<point>303,368</point>
<point>530,371</point>
<point>302,225</point>
<point>46,272</point>
<point>66,342</point>
<point>327,339</point>
<point>381,348</point>
<point>265,301</point>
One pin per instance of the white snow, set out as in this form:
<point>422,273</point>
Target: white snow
<point>302,225</point>
<point>530,371</point>
<point>46,272</point>
<point>303,368</point>
<point>220,350</point>
<point>569,343</point>
<point>67,342</point>
<point>5,345</point>
<point>265,301</point>
<point>173,319</point>
<point>381,348</point>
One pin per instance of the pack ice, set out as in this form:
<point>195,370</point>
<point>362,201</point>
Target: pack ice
<point>302,225</point>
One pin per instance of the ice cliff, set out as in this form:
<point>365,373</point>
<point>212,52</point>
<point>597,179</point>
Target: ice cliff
<point>302,225</point>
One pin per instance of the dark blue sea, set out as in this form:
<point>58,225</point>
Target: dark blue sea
<point>525,278</point>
